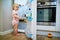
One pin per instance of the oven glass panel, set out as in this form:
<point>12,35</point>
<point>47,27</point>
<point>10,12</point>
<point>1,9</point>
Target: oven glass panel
<point>46,16</point>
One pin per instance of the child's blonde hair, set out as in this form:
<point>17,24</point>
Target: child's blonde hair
<point>14,5</point>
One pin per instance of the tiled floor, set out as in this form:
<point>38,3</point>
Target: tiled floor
<point>39,37</point>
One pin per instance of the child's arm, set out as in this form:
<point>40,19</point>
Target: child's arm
<point>14,15</point>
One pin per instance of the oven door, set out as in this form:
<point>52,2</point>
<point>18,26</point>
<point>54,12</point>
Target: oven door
<point>46,16</point>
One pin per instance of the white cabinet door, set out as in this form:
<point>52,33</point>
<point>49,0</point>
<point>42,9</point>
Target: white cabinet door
<point>58,16</point>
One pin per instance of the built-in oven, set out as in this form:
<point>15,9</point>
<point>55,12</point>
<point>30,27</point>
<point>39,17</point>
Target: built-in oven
<point>46,16</point>
<point>46,13</point>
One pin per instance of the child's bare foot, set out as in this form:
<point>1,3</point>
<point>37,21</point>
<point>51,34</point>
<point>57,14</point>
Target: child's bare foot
<point>17,34</point>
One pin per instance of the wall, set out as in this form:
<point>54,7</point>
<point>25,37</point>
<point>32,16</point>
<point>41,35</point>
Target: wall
<point>7,10</point>
<point>6,18</point>
<point>1,23</point>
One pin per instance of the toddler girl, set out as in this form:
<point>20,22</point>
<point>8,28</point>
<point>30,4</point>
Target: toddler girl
<point>15,20</point>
